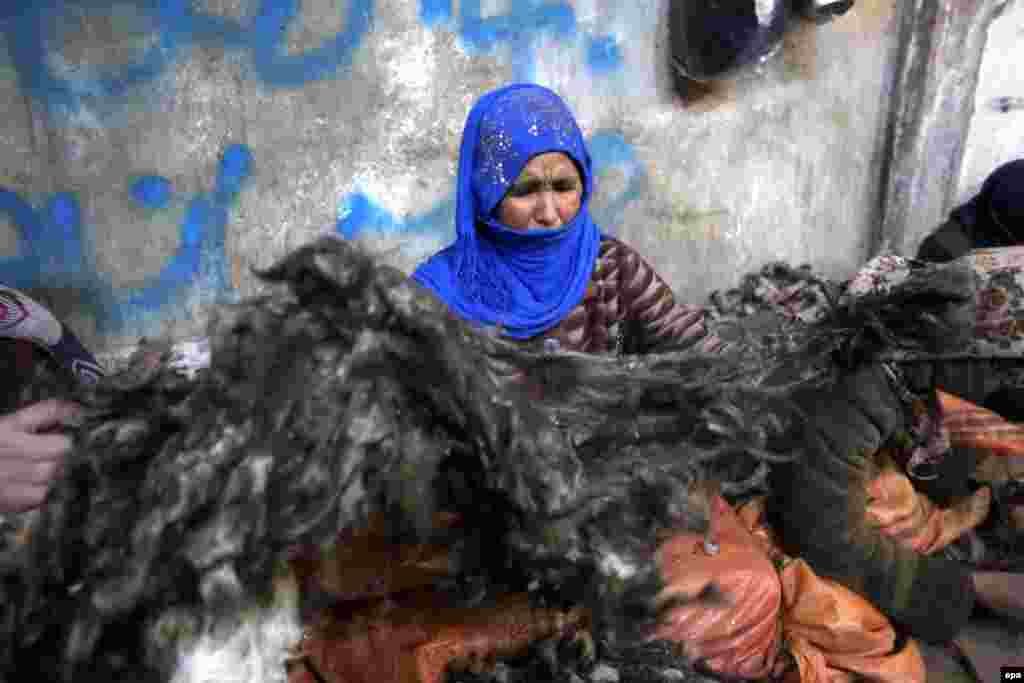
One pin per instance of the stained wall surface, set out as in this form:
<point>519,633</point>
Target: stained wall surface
<point>996,133</point>
<point>152,153</point>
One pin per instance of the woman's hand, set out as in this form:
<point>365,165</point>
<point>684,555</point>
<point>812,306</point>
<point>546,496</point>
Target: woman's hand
<point>1001,592</point>
<point>31,460</point>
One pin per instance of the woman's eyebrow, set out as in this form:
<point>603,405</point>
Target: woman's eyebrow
<point>561,174</point>
<point>529,180</point>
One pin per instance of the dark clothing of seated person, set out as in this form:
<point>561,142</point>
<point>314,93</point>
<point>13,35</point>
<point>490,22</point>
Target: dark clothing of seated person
<point>529,261</point>
<point>820,507</point>
<point>993,218</point>
<point>820,504</point>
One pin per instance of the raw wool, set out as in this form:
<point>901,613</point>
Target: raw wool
<point>797,293</point>
<point>892,310</point>
<point>576,659</point>
<point>351,391</point>
<point>256,651</point>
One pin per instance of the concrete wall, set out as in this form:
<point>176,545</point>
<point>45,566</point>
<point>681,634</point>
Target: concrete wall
<point>996,132</point>
<point>152,152</point>
<point>942,44</point>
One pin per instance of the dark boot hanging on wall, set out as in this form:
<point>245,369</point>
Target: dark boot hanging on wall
<point>823,11</point>
<point>717,39</point>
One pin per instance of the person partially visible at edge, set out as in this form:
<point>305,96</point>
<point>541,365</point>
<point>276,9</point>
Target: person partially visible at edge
<point>32,446</point>
<point>31,458</point>
<point>993,218</point>
<point>528,259</point>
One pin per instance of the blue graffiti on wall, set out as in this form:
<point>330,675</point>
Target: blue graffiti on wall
<point>53,250</point>
<point>37,32</point>
<point>53,243</point>
<point>360,215</point>
<point>33,31</point>
<point>603,54</point>
<point>53,247</point>
<point>519,28</point>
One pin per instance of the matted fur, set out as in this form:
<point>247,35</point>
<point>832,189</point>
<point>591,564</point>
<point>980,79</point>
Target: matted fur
<point>350,390</point>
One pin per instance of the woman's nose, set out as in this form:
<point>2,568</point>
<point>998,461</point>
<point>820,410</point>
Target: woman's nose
<point>547,210</point>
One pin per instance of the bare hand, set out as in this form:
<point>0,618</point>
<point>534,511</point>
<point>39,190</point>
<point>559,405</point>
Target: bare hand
<point>1001,592</point>
<point>30,460</point>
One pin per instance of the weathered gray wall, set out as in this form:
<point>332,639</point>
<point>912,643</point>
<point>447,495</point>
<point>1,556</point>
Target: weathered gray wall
<point>996,132</point>
<point>941,46</point>
<point>152,152</point>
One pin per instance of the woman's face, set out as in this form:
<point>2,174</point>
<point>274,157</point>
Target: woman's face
<point>546,195</point>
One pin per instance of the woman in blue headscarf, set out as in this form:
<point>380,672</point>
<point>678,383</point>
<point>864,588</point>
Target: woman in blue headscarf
<point>528,259</point>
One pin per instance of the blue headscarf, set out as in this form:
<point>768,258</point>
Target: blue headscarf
<point>521,282</point>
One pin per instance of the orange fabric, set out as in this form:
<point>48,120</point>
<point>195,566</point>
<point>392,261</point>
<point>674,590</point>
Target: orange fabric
<point>412,634</point>
<point>837,636</point>
<point>998,443</point>
<point>972,426</point>
<point>1017,517</point>
<point>414,638</point>
<point>739,637</point>
<point>833,634</point>
<point>390,626</point>
<point>366,564</point>
<point>913,520</point>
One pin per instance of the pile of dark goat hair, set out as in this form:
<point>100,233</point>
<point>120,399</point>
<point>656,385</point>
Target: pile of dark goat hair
<point>348,391</point>
<point>575,660</point>
<point>783,328</point>
<point>774,287</point>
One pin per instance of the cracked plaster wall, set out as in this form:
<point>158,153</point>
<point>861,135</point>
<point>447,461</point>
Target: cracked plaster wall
<point>996,133</point>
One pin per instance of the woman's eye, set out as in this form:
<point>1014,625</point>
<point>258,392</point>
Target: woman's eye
<point>523,189</point>
<point>528,188</point>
